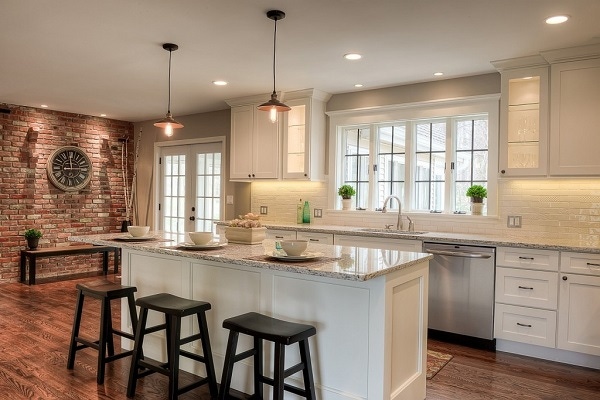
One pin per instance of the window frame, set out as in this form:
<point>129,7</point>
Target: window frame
<point>409,112</point>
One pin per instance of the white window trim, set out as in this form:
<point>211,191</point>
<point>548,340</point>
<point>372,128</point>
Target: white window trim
<point>338,120</point>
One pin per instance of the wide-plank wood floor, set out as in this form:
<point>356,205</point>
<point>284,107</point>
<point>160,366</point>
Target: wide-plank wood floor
<point>35,323</point>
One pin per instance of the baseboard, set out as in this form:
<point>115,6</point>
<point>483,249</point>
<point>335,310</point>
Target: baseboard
<point>550,354</point>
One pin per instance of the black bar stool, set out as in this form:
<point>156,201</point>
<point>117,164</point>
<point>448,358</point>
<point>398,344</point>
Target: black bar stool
<point>105,291</point>
<point>174,308</point>
<point>281,333</point>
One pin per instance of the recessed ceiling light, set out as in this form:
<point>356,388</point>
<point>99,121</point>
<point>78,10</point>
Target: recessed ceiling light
<point>44,106</point>
<point>438,74</point>
<point>557,19</point>
<point>358,85</point>
<point>352,56</point>
<point>103,115</point>
<point>220,83</point>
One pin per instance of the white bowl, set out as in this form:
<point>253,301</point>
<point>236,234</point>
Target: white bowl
<point>294,247</point>
<point>200,238</point>
<point>138,231</point>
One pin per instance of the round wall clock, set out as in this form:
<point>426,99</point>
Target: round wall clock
<point>69,168</point>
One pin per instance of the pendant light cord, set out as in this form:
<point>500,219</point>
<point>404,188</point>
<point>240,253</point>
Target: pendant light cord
<point>169,105</point>
<point>274,52</point>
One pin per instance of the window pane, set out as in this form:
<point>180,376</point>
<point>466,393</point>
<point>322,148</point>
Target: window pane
<point>480,136</point>
<point>356,162</point>
<point>464,136</point>
<point>438,136</point>
<point>422,196</point>
<point>480,164</point>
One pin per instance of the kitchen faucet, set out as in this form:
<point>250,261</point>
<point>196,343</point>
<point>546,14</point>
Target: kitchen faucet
<point>399,224</point>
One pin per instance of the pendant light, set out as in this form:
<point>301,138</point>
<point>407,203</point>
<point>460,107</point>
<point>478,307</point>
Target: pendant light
<point>274,105</point>
<point>168,122</point>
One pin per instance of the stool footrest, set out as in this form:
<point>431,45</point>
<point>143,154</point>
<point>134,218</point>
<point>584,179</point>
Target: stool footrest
<point>243,355</point>
<point>120,355</point>
<point>189,339</point>
<point>123,334</point>
<point>193,356</point>
<point>155,328</point>
<point>87,343</point>
<point>193,385</point>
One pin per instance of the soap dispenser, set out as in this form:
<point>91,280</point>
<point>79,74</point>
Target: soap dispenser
<point>299,212</point>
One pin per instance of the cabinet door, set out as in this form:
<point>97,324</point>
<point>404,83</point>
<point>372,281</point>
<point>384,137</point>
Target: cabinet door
<point>296,148</point>
<point>378,243</point>
<point>265,148</point>
<point>524,122</point>
<point>575,120</point>
<point>579,314</point>
<point>242,124</point>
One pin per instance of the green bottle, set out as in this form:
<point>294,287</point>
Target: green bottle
<point>306,213</point>
<point>299,212</point>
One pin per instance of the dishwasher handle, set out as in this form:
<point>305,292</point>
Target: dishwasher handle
<point>464,254</point>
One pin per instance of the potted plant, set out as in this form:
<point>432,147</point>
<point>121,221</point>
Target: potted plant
<point>477,193</point>
<point>346,192</point>
<point>33,237</point>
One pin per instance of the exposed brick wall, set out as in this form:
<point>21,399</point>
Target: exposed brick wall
<point>28,199</point>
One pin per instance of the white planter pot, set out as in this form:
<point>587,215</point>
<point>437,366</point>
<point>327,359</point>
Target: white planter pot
<point>476,208</point>
<point>236,234</point>
<point>346,204</point>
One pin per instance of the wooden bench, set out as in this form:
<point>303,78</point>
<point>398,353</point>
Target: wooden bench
<point>32,255</point>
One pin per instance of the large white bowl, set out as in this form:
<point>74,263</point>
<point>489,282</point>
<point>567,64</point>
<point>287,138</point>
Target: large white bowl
<point>294,247</point>
<point>200,238</point>
<point>138,231</point>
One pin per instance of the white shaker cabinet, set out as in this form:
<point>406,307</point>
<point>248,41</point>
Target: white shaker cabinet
<point>524,103</point>
<point>304,135</point>
<point>254,151</point>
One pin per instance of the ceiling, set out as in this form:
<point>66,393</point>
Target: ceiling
<point>93,57</point>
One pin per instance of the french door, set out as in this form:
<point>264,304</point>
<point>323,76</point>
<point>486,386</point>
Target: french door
<point>190,189</point>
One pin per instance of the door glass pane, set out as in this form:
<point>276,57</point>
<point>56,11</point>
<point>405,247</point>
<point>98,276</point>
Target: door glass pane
<point>174,193</point>
<point>208,200</point>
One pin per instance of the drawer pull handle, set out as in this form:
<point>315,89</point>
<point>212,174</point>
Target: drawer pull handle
<point>525,287</point>
<point>314,240</point>
<point>593,264</point>
<point>526,258</point>
<point>278,237</point>
<point>525,325</point>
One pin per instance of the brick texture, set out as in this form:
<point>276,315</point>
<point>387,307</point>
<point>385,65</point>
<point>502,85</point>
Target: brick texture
<point>28,199</point>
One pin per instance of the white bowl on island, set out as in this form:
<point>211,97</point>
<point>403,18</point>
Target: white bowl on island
<point>138,231</point>
<point>200,238</point>
<point>294,248</point>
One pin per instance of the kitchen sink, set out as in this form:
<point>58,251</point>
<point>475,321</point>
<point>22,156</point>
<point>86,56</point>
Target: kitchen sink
<point>383,230</point>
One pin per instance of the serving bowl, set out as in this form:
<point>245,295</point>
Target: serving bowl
<point>138,231</point>
<point>200,238</point>
<point>294,247</point>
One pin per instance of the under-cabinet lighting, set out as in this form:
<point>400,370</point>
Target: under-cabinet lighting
<point>44,106</point>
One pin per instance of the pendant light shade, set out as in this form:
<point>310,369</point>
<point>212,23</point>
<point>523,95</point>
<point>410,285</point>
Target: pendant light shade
<point>168,123</point>
<point>274,105</point>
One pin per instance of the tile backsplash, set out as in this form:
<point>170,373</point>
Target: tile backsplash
<point>552,209</point>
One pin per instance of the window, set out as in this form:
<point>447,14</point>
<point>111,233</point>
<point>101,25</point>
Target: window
<point>426,160</point>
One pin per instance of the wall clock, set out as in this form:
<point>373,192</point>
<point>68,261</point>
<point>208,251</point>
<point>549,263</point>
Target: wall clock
<point>69,168</point>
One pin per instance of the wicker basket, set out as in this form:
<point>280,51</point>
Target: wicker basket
<point>236,234</point>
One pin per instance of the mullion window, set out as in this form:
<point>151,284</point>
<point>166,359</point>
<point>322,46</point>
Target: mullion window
<point>356,162</point>
<point>471,159</point>
<point>391,163</point>
<point>430,168</point>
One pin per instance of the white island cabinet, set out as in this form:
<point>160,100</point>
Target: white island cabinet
<point>370,310</point>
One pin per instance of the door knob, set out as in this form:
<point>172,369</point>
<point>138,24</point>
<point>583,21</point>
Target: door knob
<point>192,218</point>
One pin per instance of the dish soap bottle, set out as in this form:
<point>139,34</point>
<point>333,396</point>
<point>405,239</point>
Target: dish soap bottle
<point>306,213</point>
<point>299,212</point>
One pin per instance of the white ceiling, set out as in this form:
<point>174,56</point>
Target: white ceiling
<point>93,57</point>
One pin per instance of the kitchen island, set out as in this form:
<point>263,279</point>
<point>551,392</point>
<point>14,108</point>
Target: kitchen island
<point>369,307</point>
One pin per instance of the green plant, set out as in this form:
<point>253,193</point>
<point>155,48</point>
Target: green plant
<point>32,234</point>
<point>346,191</point>
<point>477,192</point>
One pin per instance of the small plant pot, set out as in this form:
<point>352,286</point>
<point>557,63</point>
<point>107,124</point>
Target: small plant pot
<point>32,243</point>
<point>346,204</point>
<point>476,208</point>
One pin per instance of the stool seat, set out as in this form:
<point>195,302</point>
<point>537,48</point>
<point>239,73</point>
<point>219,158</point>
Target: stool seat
<point>173,305</point>
<point>281,333</point>
<point>268,328</point>
<point>174,309</point>
<point>105,291</point>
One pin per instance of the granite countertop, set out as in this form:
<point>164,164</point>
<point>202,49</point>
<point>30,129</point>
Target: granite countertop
<point>339,262</point>
<point>534,242</point>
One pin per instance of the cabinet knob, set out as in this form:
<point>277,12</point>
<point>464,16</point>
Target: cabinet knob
<point>503,172</point>
<point>253,175</point>
<point>564,278</point>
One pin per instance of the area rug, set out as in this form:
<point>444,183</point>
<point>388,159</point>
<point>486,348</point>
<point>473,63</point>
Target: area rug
<point>436,361</point>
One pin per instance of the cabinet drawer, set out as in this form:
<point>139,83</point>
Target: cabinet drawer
<point>378,243</point>
<point>580,263</point>
<point>546,260</point>
<point>325,238</point>
<point>280,234</point>
<point>528,288</point>
<point>525,325</point>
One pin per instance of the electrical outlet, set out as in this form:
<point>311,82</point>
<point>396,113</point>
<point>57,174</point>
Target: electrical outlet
<point>318,212</point>
<point>513,221</point>
<point>264,210</point>
<point>229,199</point>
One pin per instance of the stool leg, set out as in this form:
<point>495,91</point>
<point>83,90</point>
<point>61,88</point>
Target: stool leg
<point>109,330</point>
<point>278,371</point>
<point>132,312</point>
<point>258,368</point>
<point>75,330</point>
<point>104,344</point>
<point>173,344</point>
<point>228,365</point>
<point>207,352</point>
<point>137,352</point>
<point>309,383</point>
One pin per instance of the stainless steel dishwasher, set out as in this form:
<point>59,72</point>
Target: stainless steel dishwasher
<point>461,291</point>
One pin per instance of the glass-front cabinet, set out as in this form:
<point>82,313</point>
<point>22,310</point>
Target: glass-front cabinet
<point>523,119</point>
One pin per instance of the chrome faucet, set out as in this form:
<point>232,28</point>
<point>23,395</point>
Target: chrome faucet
<point>399,224</point>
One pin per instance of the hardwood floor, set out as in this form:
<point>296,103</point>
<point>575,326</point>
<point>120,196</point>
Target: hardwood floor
<point>35,323</point>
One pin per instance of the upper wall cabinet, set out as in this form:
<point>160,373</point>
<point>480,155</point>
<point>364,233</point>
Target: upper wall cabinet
<point>304,139</point>
<point>523,116</point>
<point>254,150</point>
<point>575,111</point>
